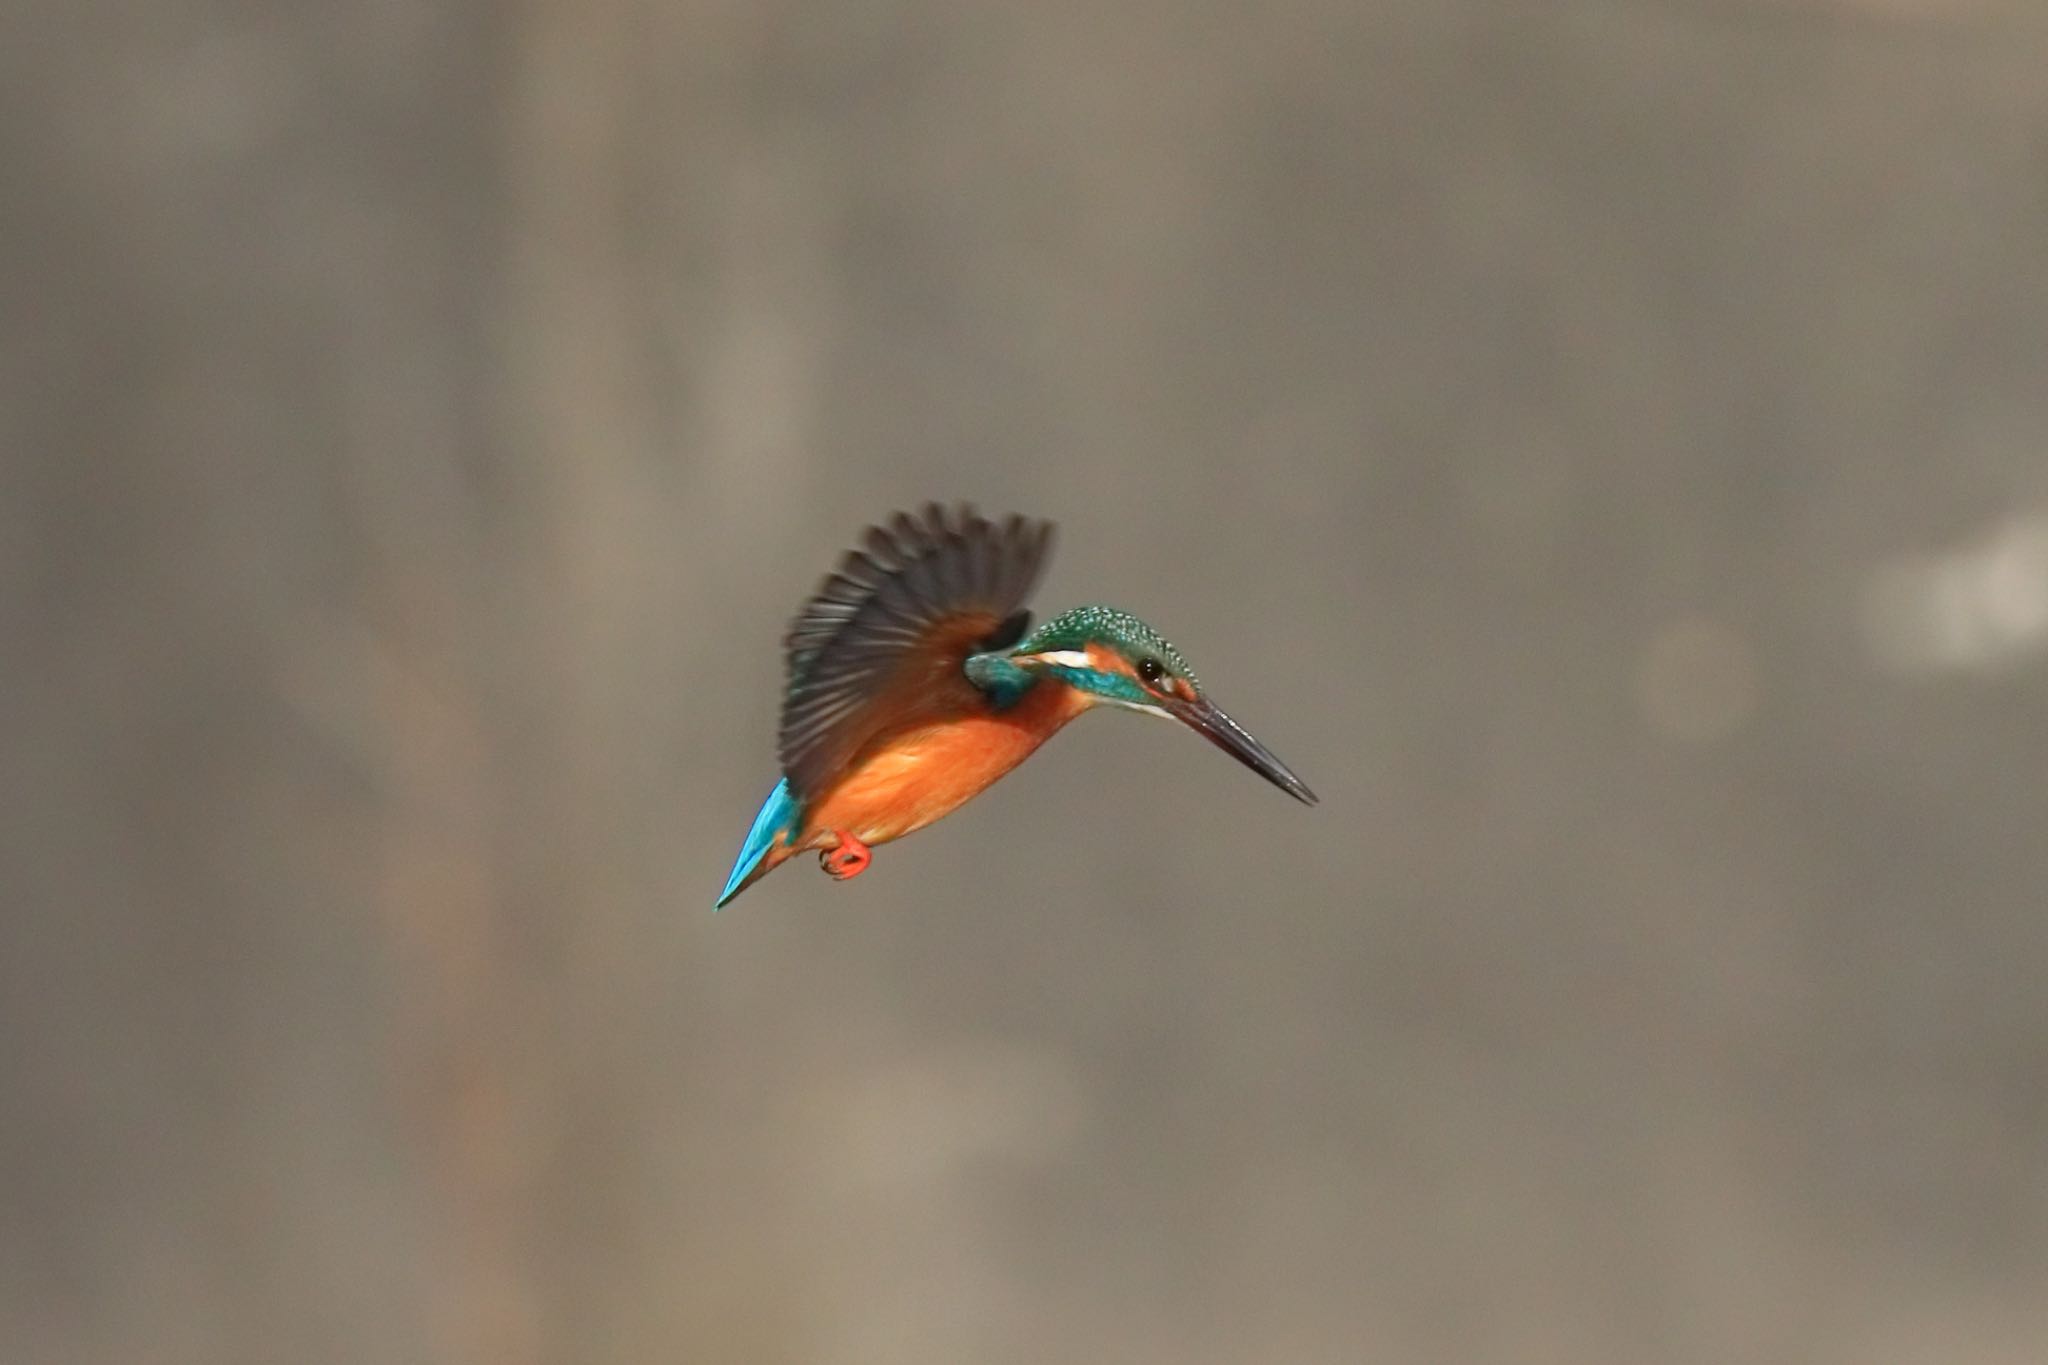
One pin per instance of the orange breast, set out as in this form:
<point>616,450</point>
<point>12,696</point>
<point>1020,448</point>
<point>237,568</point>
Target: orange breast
<point>913,777</point>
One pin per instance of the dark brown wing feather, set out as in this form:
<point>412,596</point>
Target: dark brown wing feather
<point>882,642</point>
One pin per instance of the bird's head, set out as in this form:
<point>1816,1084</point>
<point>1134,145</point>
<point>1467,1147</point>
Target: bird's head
<point>1114,658</point>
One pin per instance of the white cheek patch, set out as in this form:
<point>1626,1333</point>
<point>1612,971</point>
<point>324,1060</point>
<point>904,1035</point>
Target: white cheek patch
<point>1068,658</point>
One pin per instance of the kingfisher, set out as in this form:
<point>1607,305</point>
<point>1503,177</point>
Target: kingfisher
<point>915,681</point>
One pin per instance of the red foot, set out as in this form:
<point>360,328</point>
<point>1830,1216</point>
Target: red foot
<point>848,858</point>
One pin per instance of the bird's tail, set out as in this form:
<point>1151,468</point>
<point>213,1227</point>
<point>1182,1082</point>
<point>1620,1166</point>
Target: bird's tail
<point>779,816</point>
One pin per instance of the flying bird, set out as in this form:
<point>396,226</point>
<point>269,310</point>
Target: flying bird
<point>915,681</point>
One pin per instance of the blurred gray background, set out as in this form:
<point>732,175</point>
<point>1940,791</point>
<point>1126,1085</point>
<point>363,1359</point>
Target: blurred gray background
<point>1603,446</point>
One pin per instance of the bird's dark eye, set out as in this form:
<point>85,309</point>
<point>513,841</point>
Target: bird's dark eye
<point>1151,670</point>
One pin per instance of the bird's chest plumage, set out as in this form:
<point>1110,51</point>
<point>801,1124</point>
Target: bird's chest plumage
<point>913,777</point>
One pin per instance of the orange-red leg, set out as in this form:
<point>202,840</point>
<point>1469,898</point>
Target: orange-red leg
<point>848,858</point>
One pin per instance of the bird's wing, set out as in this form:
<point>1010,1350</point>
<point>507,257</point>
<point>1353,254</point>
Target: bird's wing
<point>881,645</point>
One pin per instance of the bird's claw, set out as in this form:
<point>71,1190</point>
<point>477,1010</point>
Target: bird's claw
<point>848,858</point>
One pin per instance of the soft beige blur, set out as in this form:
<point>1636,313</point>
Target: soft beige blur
<point>1602,445</point>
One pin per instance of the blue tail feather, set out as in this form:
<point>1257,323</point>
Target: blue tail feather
<point>779,815</point>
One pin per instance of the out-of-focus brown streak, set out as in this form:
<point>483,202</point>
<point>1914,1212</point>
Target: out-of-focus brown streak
<point>454,1049</point>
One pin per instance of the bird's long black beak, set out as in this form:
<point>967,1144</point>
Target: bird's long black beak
<point>1207,719</point>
